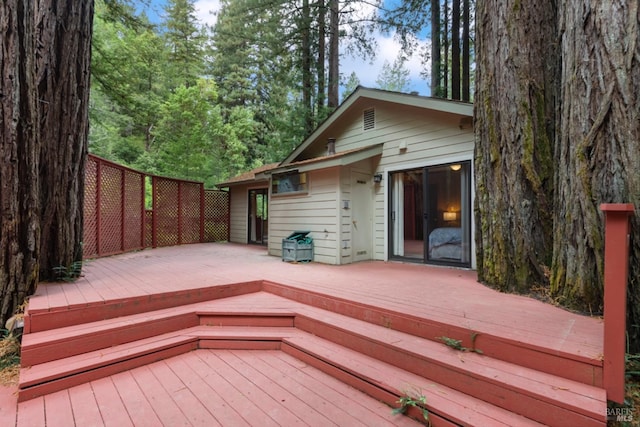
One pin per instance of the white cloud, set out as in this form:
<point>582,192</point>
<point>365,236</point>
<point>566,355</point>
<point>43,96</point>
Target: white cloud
<point>205,11</point>
<point>388,49</point>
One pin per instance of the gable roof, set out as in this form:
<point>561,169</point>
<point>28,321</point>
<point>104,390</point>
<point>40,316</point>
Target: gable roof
<point>350,156</point>
<point>342,158</point>
<point>361,92</point>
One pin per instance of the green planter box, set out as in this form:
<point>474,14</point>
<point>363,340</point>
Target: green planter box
<point>297,247</point>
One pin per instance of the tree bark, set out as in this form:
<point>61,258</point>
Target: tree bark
<point>19,144</point>
<point>514,112</point>
<point>320,64</point>
<point>63,33</point>
<point>598,147</point>
<point>307,84</point>
<point>334,55</point>
<point>466,51</point>
<point>455,49</point>
<point>436,59</point>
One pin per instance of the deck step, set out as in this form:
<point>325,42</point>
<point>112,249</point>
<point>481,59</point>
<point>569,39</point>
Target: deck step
<point>388,383</point>
<point>44,346</point>
<point>379,379</point>
<point>538,395</point>
<point>535,395</point>
<point>279,303</point>
<point>585,368</point>
<point>60,374</point>
<point>547,405</point>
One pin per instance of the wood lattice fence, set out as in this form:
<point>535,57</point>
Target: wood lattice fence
<point>116,218</point>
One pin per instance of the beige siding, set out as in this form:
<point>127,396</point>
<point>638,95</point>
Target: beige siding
<point>239,214</point>
<point>315,211</point>
<point>239,209</point>
<point>429,140</point>
<point>429,137</point>
<point>411,137</point>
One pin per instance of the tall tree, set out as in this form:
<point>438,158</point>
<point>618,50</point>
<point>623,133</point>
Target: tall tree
<point>455,49</point>
<point>185,39</point>
<point>307,80</point>
<point>588,107</point>
<point>394,77</point>
<point>597,149</point>
<point>19,157</point>
<point>514,107</point>
<point>436,57</point>
<point>44,139</point>
<point>466,50</point>
<point>128,74</point>
<point>334,54</point>
<point>63,33</point>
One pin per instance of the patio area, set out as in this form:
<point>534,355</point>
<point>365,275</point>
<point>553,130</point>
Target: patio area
<point>401,312</point>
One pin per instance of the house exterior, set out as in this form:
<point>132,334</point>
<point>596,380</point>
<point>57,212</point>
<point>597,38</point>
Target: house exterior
<point>387,176</point>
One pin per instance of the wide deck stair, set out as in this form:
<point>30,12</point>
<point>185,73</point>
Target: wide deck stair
<point>486,380</point>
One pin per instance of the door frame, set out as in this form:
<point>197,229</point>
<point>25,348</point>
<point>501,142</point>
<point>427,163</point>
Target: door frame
<point>253,222</point>
<point>387,193</point>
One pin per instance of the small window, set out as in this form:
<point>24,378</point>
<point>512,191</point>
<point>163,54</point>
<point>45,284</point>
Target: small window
<point>290,182</point>
<point>369,119</point>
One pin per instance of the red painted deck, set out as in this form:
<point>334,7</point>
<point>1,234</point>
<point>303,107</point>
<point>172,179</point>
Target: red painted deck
<point>181,287</point>
<point>212,388</point>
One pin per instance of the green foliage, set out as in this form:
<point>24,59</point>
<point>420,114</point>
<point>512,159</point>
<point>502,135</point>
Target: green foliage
<point>185,41</point>
<point>198,103</point>
<point>350,85</point>
<point>68,273</point>
<point>415,400</point>
<point>457,344</point>
<point>394,77</point>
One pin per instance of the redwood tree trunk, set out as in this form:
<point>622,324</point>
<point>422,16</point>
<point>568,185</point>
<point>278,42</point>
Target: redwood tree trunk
<point>598,147</point>
<point>455,49</point>
<point>334,55</point>
<point>64,54</point>
<point>436,70</point>
<point>19,143</point>
<point>514,112</point>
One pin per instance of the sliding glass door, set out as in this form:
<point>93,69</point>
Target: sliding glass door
<point>430,214</point>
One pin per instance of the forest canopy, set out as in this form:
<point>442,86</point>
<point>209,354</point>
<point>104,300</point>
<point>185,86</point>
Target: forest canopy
<point>179,98</point>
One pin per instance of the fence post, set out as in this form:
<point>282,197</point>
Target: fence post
<point>616,271</point>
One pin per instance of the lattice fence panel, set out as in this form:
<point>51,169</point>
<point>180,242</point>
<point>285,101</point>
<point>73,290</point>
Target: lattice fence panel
<point>90,233</point>
<point>190,209</point>
<point>216,216</point>
<point>148,228</point>
<point>111,184</point>
<point>165,195</point>
<point>133,210</point>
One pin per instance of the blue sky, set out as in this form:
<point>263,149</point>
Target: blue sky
<point>367,72</point>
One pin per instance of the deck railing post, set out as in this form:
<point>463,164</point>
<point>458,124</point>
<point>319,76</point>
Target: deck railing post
<point>616,270</point>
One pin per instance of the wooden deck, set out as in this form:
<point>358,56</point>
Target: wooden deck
<point>190,335</point>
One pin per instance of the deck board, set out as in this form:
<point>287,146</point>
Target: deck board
<point>210,397</point>
<point>424,293</point>
<point>112,409</point>
<point>140,410</point>
<point>62,416</point>
<point>160,400</point>
<point>85,407</point>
